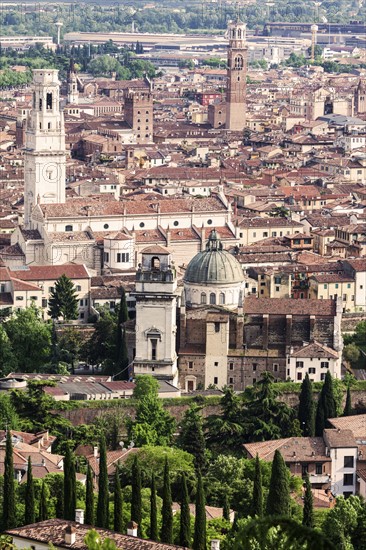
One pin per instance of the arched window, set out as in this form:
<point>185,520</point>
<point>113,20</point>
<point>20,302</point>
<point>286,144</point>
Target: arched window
<point>203,298</point>
<point>155,263</point>
<point>221,298</point>
<point>49,101</point>
<point>238,62</point>
<point>212,298</point>
<point>239,34</point>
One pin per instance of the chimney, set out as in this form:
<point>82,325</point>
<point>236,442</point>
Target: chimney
<point>215,544</point>
<point>95,452</point>
<point>70,535</point>
<point>132,529</point>
<point>79,515</point>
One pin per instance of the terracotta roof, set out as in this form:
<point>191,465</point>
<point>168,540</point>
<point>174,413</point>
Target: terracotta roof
<point>53,531</point>
<point>355,423</point>
<point>315,350</point>
<point>289,306</point>
<point>293,449</point>
<point>340,438</point>
<point>50,272</point>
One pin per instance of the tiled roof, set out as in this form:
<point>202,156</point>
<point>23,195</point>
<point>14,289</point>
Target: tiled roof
<point>340,438</point>
<point>289,306</point>
<point>53,531</point>
<point>355,423</point>
<point>293,449</point>
<point>50,272</point>
<point>315,350</point>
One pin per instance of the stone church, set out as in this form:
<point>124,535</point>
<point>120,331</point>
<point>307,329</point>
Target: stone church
<point>208,334</point>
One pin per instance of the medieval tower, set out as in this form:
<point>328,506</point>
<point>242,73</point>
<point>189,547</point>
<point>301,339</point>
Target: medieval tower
<point>44,153</point>
<point>236,77</point>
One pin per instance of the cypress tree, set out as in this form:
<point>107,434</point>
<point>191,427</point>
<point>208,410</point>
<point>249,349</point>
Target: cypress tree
<point>185,516</point>
<point>167,512</point>
<point>226,508</point>
<point>192,438</point>
<point>348,406</point>
<point>89,497</point>
<point>69,486</point>
<point>199,541</point>
<point>43,504</point>
<point>136,501</point>
<point>278,502</point>
<point>306,414</point>
<point>257,503</point>
<point>153,511</point>
<point>103,494</point>
<point>327,407</point>
<point>9,516</point>
<point>308,512</point>
<point>29,516</point>
<point>118,504</point>
<point>121,343</point>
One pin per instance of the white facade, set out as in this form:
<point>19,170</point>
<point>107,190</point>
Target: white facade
<point>45,153</point>
<point>119,251</point>
<point>343,478</point>
<point>226,295</point>
<point>315,367</point>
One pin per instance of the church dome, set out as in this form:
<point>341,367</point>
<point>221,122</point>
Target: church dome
<point>214,265</point>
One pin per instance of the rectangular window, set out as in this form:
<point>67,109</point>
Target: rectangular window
<point>216,363</point>
<point>319,469</point>
<point>265,234</point>
<point>106,257</point>
<point>81,302</point>
<point>348,479</point>
<point>19,298</point>
<point>299,375</point>
<point>78,288</point>
<point>324,365</point>
<point>311,370</point>
<point>44,302</point>
<point>277,280</point>
<point>348,462</point>
<point>275,367</point>
<point>190,364</point>
<point>217,327</point>
<point>254,367</point>
<point>216,380</point>
<point>34,298</point>
<point>322,376</point>
<point>231,366</point>
<point>299,364</point>
<point>231,380</point>
<point>154,344</point>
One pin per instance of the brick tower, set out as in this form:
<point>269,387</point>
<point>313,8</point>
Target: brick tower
<point>236,76</point>
<point>139,114</point>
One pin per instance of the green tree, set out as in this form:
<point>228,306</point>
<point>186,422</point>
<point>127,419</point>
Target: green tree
<point>306,414</point>
<point>199,541</point>
<point>348,406</point>
<point>327,406</point>
<point>278,501</point>
<point>89,497</point>
<point>308,512</point>
<point>43,503</point>
<point>153,511</point>
<point>9,513</point>
<point>191,437</point>
<point>103,493</point>
<point>351,353</point>
<point>167,512</point>
<point>257,489</point>
<point>226,508</point>
<point>185,516</point>
<point>30,338</point>
<point>118,504</point>
<point>136,500</point>
<point>30,516</point>
<point>228,425</point>
<point>8,414</point>
<point>102,347</point>
<point>8,360</point>
<point>63,300</point>
<point>341,521</point>
<point>70,346</point>
<point>153,425</point>
<point>93,542</point>
<point>69,485</point>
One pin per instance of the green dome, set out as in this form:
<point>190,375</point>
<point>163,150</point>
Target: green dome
<point>214,265</point>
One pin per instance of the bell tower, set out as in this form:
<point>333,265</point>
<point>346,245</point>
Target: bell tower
<point>44,152</point>
<point>72,85</point>
<point>156,309</point>
<point>236,76</point>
